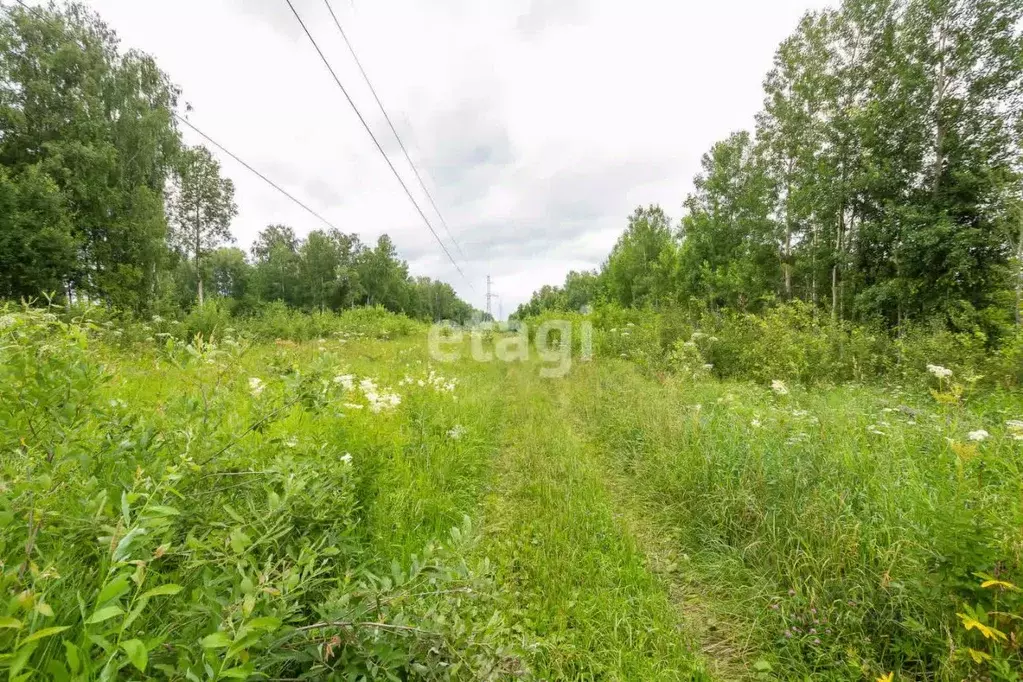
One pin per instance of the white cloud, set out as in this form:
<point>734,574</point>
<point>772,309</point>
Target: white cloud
<point>542,123</point>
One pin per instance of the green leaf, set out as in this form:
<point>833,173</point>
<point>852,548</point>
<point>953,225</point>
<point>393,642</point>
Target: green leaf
<point>233,514</point>
<point>168,590</point>
<point>121,551</point>
<point>239,541</point>
<point>8,623</point>
<point>74,662</point>
<point>218,640</point>
<point>160,510</point>
<point>44,633</point>
<point>135,613</point>
<point>115,589</point>
<point>265,623</point>
<point>19,660</point>
<point>125,508</point>
<point>137,653</point>
<point>104,614</point>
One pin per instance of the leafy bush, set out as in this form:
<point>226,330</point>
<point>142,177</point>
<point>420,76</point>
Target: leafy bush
<point>195,521</point>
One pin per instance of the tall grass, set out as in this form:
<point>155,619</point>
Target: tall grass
<point>224,511</point>
<point>848,527</point>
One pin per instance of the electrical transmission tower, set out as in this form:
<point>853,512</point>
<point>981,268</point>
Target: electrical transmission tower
<point>490,297</point>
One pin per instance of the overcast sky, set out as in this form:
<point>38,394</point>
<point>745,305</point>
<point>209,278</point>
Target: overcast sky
<point>539,124</point>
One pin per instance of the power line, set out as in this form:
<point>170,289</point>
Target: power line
<point>365,125</point>
<point>35,11</point>
<point>250,168</point>
<point>397,137</point>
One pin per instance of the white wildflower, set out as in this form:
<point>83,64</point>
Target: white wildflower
<point>346,458</point>
<point>256,386</point>
<point>291,443</point>
<point>708,367</point>
<point>354,406</point>
<point>756,424</point>
<point>457,432</point>
<point>157,319</point>
<point>7,321</point>
<point>978,435</point>
<point>779,387</point>
<point>345,380</point>
<point>939,371</point>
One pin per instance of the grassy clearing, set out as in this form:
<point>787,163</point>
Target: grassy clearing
<point>214,512</point>
<point>840,531</point>
<point>575,579</point>
<point>342,509</point>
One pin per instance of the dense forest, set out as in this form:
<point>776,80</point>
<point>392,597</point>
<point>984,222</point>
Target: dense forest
<point>882,181</point>
<point>101,201</point>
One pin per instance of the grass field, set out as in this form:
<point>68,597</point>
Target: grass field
<point>347,509</point>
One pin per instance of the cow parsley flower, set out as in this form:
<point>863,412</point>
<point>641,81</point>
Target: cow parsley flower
<point>939,371</point>
<point>256,386</point>
<point>978,435</point>
<point>345,380</point>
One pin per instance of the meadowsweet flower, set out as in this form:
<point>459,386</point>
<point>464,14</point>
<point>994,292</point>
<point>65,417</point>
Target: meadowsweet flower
<point>345,380</point>
<point>1015,428</point>
<point>978,435</point>
<point>939,371</point>
<point>779,387</point>
<point>354,406</point>
<point>256,386</point>
<point>7,321</point>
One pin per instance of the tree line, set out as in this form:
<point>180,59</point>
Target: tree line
<point>100,200</point>
<point>882,180</point>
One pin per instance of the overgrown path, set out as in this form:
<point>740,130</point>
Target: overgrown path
<point>576,580</point>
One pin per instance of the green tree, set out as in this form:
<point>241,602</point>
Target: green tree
<point>730,253</point>
<point>639,269</point>
<point>326,262</point>
<point>99,125</point>
<point>201,208</point>
<point>384,276</point>
<point>38,252</point>
<point>277,265</point>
